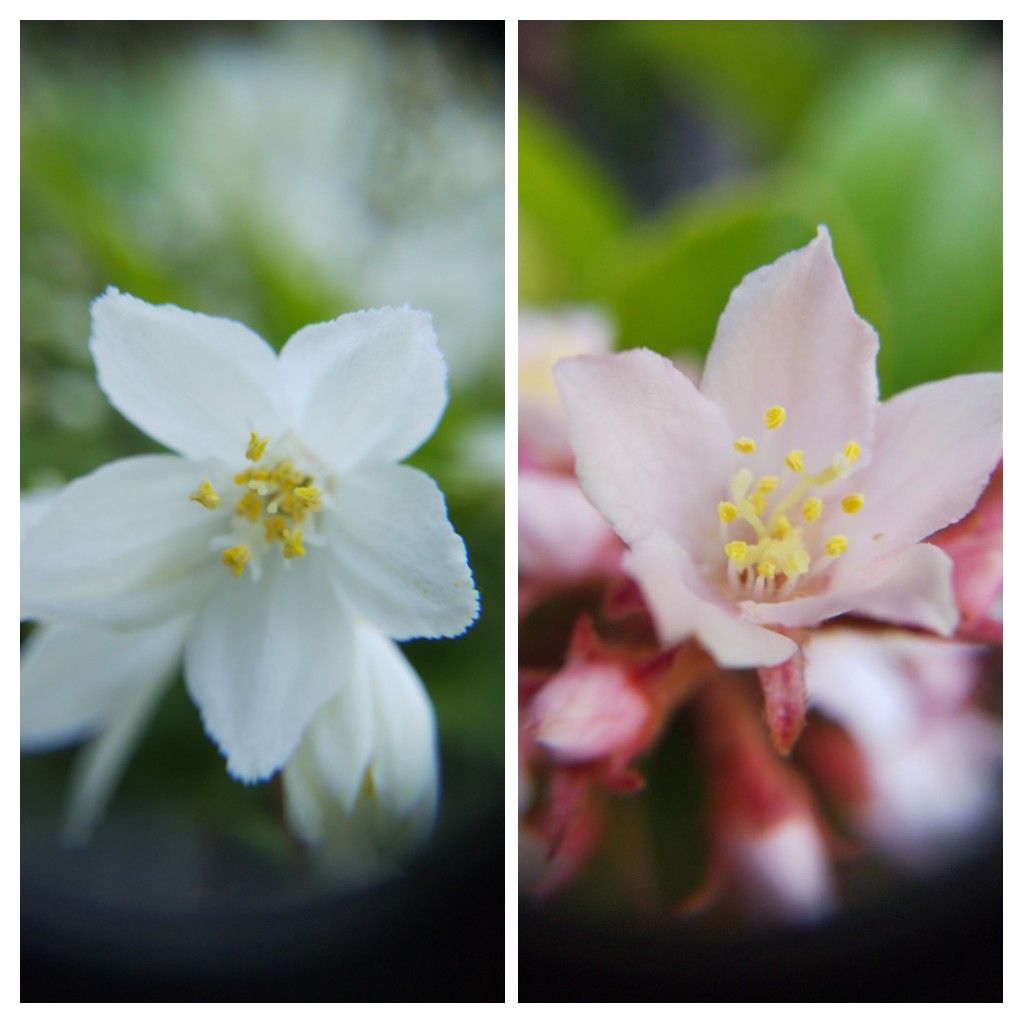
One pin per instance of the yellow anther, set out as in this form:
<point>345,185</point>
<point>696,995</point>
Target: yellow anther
<point>236,558</point>
<point>243,478</point>
<point>281,472</point>
<point>766,568</point>
<point>274,527</point>
<point>795,460</point>
<point>774,417</point>
<point>205,495</point>
<point>736,551</point>
<point>852,451</point>
<point>758,502</point>
<point>257,446</point>
<point>835,545</point>
<point>309,496</point>
<point>811,509</point>
<point>292,544</point>
<point>745,445</point>
<point>781,528</point>
<point>727,511</point>
<point>249,506</point>
<point>767,484</point>
<point>852,503</point>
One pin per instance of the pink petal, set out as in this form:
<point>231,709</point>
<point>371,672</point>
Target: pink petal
<point>789,336</point>
<point>935,448</point>
<point>674,595</point>
<point>651,452</point>
<point>913,588</point>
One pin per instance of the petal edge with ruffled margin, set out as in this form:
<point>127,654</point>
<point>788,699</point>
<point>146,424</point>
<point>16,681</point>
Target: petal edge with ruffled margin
<point>669,582</point>
<point>262,659</point>
<point>652,453</point>
<point>790,336</point>
<point>402,564</point>
<point>122,546</point>
<point>912,588</point>
<point>196,383</point>
<point>367,387</point>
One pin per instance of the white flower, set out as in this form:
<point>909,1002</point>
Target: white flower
<point>283,520</point>
<point>362,787</point>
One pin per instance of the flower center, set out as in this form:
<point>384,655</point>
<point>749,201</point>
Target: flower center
<point>272,502</point>
<point>779,551</point>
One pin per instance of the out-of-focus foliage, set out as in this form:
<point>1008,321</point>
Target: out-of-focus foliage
<point>732,141</point>
<point>278,175</point>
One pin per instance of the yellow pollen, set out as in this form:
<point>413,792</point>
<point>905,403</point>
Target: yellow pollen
<point>781,528</point>
<point>292,544</point>
<point>745,445</point>
<point>758,503</point>
<point>811,509</point>
<point>852,451</point>
<point>274,527</point>
<point>205,495</point>
<point>249,506</point>
<point>767,484</point>
<point>774,417</point>
<point>766,569</point>
<point>309,496</point>
<point>236,558</point>
<point>257,446</point>
<point>736,551</point>
<point>795,460</point>
<point>852,503</point>
<point>835,545</point>
<point>727,511</point>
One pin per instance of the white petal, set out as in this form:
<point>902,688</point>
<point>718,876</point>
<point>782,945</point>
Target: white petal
<point>264,657</point>
<point>673,592</point>
<point>99,767</point>
<point>76,680</point>
<point>195,383</point>
<point>367,387</point>
<point>122,546</point>
<point>652,453</point>
<point>912,588</point>
<point>789,336</point>
<point>402,564</point>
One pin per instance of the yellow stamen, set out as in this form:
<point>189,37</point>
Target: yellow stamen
<point>767,484</point>
<point>758,503</point>
<point>835,545</point>
<point>795,460</point>
<point>852,503</point>
<point>309,496</point>
<point>292,544</point>
<point>781,528</point>
<point>249,506</point>
<point>257,446</point>
<point>727,511</point>
<point>236,558</point>
<point>766,568</point>
<point>736,551</point>
<point>774,417</point>
<point>852,451</point>
<point>745,445</point>
<point>811,509</point>
<point>274,527</point>
<point>205,495</point>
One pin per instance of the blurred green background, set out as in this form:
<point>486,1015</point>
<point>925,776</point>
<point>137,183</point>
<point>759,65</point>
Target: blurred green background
<point>660,162</point>
<point>278,174</point>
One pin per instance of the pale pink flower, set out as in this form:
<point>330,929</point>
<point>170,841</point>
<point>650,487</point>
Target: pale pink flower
<point>782,492</point>
<point>929,758</point>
